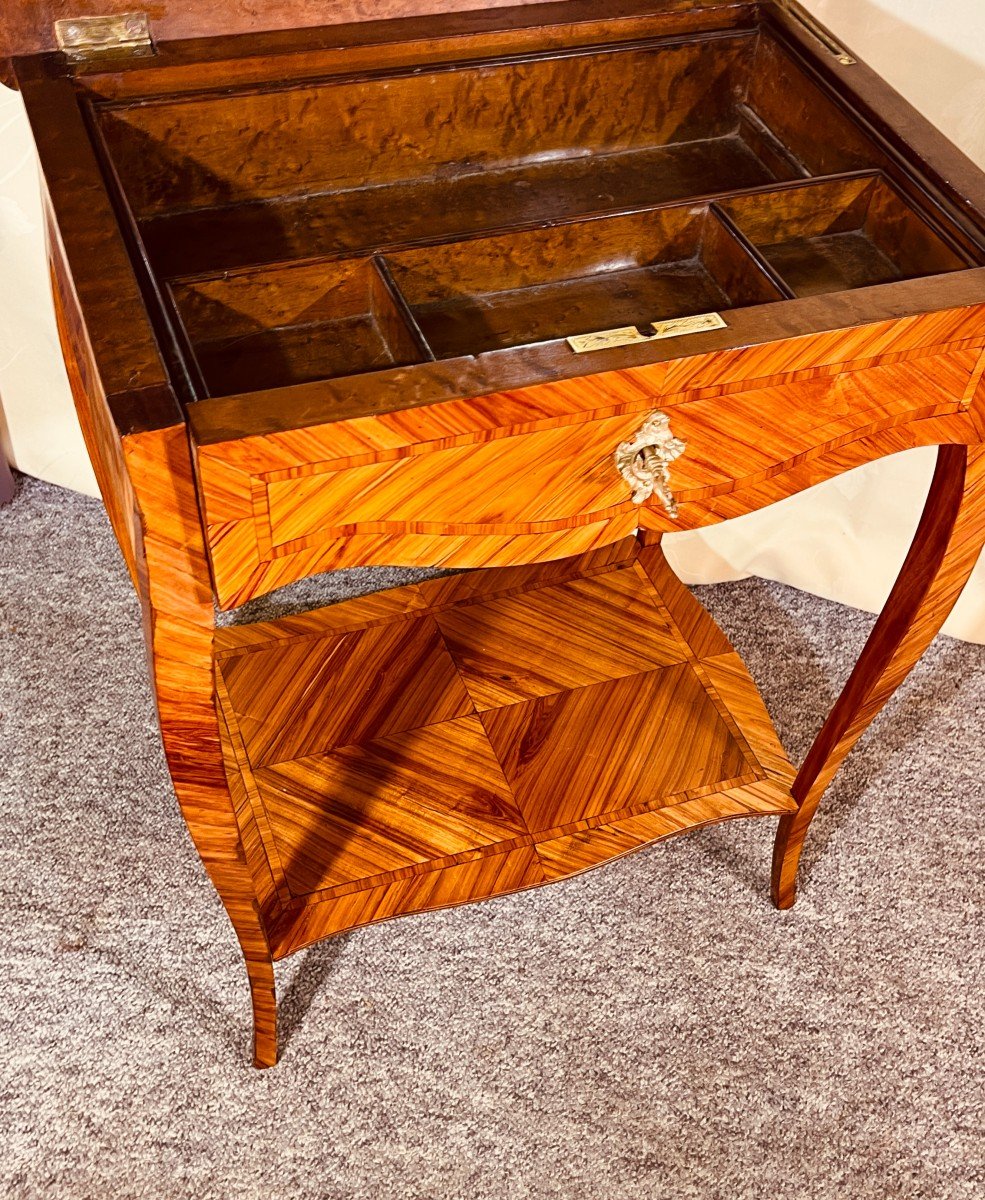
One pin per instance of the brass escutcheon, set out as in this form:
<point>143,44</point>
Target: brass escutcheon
<point>644,461</point>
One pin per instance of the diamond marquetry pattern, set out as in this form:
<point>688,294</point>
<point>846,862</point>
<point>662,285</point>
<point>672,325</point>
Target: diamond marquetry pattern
<point>362,810</point>
<point>339,690</point>
<point>487,732</point>
<point>600,749</point>
<point>558,638</point>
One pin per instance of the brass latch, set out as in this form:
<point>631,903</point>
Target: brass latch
<point>85,38</point>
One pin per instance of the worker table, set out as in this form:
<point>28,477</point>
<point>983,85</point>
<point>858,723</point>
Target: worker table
<point>514,292</point>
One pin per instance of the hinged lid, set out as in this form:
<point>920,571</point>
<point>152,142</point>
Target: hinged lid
<point>29,26</point>
<point>86,38</point>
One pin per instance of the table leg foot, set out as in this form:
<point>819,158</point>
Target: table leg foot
<point>786,859</point>
<point>264,995</point>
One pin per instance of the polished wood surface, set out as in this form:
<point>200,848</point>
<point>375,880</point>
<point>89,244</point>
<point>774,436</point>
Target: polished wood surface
<point>146,482</point>
<point>521,476</point>
<point>314,289</point>
<point>27,27</point>
<point>388,748</point>
<point>178,620</point>
<point>945,549</point>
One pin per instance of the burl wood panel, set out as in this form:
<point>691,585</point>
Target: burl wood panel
<point>372,163</point>
<point>458,739</point>
<point>219,150</point>
<point>529,474</point>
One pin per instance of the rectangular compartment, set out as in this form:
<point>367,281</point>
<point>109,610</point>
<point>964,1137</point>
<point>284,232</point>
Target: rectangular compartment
<point>558,191</point>
<point>841,234</point>
<point>266,328</point>
<point>521,288</point>
<point>337,167</point>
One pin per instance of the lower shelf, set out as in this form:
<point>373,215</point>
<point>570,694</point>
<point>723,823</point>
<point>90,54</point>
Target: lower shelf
<point>482,733</point>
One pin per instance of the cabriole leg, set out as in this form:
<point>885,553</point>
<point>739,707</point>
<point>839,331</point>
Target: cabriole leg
<point>944,552</point>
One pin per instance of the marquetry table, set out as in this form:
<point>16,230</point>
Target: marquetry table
<point>514,291</point>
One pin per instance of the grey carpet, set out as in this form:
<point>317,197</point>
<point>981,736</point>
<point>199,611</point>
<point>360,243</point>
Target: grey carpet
<point>652,1029</point>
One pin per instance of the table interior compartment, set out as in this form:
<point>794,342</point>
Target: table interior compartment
<point>518,289</point>
<point>516,201</point>
<point>343,167</point>
<point>292,324</point>
<point>841,234</point>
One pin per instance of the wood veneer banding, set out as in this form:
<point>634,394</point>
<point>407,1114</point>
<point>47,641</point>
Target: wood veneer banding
<point>530,473</point>
<point>459,721</point>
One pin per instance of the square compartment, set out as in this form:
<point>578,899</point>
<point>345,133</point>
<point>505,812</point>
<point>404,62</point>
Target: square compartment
<point>266,328</point>
<point>520,288</point>
<point>833,236</point>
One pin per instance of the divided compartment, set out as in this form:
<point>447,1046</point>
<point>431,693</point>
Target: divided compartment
<point>291,324</point>
<point>836,235</point>
<point>522,288</point>
<point>267,327</point>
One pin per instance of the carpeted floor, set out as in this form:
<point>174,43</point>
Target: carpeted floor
<point>652,1029</point>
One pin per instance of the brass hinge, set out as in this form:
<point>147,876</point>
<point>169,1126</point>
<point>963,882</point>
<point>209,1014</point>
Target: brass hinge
<point>817,31</point>
<point>86,38</point>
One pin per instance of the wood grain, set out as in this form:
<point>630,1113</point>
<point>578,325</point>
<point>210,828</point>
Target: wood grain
<point>146,482</point>
<point>281,27</point>
<point>526,475</point>
<point>560,698</point>
<point>178,620</point>
<point>95,416</point>
<point>945,548</point>
<point>219,149</point>
<point>94,272</point>
<point>480,180</point>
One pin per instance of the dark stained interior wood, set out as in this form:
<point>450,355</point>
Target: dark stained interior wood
<point>273,326</point>
<point>212,33</point>
<point>289,325</point>
<point>217,150</point>
<point>635,129</point>
<point>516,289</point>
<point>486,187</point>
<point>831,237</point>
<point>375,217</point>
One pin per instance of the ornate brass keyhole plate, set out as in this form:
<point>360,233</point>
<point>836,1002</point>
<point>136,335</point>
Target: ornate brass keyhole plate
<point>644,461</point>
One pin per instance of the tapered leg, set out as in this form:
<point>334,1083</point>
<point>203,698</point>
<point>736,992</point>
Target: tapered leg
<point>264,994</point>
<point>944,552</point>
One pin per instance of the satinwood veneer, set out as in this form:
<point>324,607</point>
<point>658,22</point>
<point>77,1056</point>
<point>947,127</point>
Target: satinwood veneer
<point>520,289</point>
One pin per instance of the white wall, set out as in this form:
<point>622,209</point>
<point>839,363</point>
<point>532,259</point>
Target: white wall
<point>933,51</point>
<point>38,430</point>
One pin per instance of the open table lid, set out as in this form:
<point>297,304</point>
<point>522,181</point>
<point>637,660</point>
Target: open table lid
<point>29,26</point>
